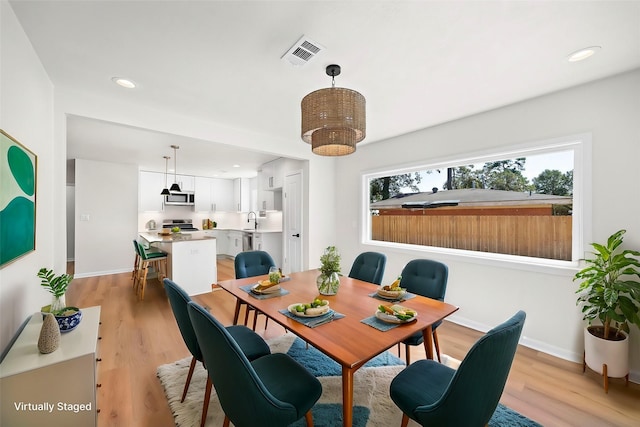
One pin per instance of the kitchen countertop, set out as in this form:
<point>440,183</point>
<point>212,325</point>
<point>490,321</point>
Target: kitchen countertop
<point>153,237</point>
<point>259,230</point>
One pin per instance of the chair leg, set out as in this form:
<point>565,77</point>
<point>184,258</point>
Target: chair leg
<point>205,404</point>
<point>143,281</point>
<point>255,319</point>
<point>407,354</point>
<point>225,423</point>
<point>186,385</point>
<point>246,314</point>
<point>309,417</point>
<point>437,345</point>
<point>405,420</point>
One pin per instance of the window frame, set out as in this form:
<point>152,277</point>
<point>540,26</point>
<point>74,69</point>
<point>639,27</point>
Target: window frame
<point>582,203</point>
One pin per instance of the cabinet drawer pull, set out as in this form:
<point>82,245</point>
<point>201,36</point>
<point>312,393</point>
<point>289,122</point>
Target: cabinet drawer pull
<point>99,359</point>
<point>98,385</point>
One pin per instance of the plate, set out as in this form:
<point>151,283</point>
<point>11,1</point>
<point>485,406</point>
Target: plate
<point>292,310</point>
<point>390,318</point>
<point>274,288</point>
<point>391,295</point>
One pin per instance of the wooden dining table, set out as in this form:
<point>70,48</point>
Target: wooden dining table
<point>347,340</point>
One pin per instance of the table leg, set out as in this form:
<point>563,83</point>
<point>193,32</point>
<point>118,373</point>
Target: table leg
<point>347,396</point>
<point>426,339</point>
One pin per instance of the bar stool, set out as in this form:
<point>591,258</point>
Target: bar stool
<point>136,265</point>
<point>155,259</point>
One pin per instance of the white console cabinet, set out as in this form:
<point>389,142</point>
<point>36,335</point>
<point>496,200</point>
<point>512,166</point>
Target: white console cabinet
<point>55,389</point>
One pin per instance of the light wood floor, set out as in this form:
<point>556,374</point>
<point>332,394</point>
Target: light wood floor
<point>138,336</point>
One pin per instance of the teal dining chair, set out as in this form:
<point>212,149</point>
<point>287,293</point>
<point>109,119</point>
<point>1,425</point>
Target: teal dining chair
<point>428,278</point>
<point>433,394</point>
<point>369,267</point>
<point>272,391</point>
<point>250,264</point>
<point>251,344</point>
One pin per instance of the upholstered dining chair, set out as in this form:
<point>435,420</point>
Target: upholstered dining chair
<point>428,278</point>
<point>251,344</point>
<point>249,264</point>
<point>433,394</point>
<point>369,267</point>
<point>272,391</point>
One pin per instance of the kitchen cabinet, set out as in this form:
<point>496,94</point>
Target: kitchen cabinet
<point>222,241</point>
<point>270,243</point>
<point>203,194</point>
<point>222,195</point>
<point>242,194</point>
<point>65,379</point>
<point>186,182</point>
<point>150,184</point>
<point>273,174</point>
<point>234,243</point>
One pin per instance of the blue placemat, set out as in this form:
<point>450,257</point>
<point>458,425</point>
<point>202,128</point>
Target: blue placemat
<point>374,322</point>
<point>311,321</point>
<point>247,289</point>
<point>405,297</point>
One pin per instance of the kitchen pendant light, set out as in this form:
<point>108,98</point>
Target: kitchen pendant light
<point>165,190</point>
<point>175,186</point>
<point>333,119</point>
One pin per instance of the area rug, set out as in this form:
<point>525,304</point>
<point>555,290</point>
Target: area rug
<point>372,405</point>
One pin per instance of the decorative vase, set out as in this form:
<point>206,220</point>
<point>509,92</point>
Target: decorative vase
<point>57,304</point>
<point>49,339</point>
<point>328,284</point>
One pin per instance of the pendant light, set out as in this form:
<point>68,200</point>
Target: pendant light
<point>175,186</point>
<point>333,119</point>
<point>165,190</point>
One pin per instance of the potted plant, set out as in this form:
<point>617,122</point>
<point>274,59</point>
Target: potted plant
<point>68,318</point>
<point>328,281</point>
<point>609,294</point>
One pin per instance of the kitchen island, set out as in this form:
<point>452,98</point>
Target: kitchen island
<point>191,261</point>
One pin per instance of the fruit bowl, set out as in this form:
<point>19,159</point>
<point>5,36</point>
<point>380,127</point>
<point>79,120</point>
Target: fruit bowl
<point>69,319</point>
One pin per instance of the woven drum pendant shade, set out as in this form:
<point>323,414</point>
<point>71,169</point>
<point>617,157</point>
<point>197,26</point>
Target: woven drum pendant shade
<point>333,120</point>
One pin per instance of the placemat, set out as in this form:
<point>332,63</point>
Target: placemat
<point>374,322</point>
<point>247,289</point>
<point>311,321</point>
<point>405,297</point>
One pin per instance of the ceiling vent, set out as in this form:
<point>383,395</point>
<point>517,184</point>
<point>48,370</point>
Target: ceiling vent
<point>303,51</point>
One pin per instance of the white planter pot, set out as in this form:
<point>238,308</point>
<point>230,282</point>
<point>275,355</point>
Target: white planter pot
<point>614,354</point>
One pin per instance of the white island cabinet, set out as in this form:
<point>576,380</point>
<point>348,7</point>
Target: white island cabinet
<point>55,389</point>
<point>191,259</point>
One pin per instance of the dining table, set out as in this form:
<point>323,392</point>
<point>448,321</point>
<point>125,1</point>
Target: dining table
<point>347,340</point>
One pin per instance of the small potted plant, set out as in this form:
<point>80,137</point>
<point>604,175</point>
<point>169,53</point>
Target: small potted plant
<point>609,293</point>
<point>68,317</point>
<point>328,281</point>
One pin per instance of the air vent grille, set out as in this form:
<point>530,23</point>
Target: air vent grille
<point>303,51</point>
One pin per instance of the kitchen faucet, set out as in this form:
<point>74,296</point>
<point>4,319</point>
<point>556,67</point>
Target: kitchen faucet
<point>255,219</point>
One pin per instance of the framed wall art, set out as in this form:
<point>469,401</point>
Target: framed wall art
<point>18,169</point>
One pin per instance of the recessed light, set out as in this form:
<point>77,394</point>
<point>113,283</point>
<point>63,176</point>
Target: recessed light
<point>236,166</point>
<point>581,54</point>
<point>123,82</point>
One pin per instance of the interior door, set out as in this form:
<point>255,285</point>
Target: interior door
<point>292,195</point>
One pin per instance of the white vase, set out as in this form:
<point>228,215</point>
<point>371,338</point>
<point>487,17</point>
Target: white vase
<point>614,354</point>
<point>57,303</point>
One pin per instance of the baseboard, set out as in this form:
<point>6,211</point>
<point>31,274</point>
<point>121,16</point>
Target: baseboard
<point>634,376</point>
<point>101,273</point>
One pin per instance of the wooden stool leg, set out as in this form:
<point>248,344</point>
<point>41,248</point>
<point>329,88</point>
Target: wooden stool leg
<point>143,281</point>
<point>405,420</point>
<point>606,378</point>
<point>225,423</point>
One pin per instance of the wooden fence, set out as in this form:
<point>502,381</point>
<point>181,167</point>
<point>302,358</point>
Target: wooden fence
<point>535,236</point>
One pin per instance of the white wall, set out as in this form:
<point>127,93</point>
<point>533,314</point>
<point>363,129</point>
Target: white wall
<point>609,110</point>
<point>26,113</point>
<point>106,217</point>
<point>71,226</point>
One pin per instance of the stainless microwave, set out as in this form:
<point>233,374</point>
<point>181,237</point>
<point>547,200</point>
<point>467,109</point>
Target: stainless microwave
<point>182,198</point>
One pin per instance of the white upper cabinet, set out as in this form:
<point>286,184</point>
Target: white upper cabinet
<point>222,195</point>
<point>186,182</point>
<point>150,184</point>
<point>203,194</point>
<point>242,194</point>
<point>272,175</point>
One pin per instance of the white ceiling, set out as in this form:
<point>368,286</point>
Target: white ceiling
<point>418,63</point>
